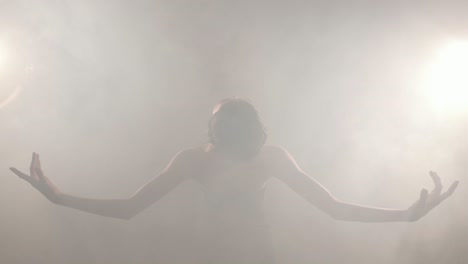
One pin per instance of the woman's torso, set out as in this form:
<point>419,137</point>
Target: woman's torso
<point>236,230</point>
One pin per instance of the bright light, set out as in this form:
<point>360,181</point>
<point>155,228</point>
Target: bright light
<point>447,79</point>
<point>9,90</point>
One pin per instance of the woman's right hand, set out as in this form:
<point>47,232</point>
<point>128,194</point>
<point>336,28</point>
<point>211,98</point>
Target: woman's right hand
<point>39,181</point>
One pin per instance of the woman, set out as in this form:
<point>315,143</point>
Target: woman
<point>233,169</point>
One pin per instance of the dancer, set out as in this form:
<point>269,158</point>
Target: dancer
<point>232,170</point>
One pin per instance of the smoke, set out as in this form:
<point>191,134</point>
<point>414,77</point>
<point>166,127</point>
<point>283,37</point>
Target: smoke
<point>108,92</point>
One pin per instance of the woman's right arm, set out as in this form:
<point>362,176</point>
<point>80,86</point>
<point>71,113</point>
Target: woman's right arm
<point>177,171</point>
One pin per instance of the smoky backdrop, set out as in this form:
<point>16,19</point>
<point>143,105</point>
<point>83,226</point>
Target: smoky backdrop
<point>108,91</point>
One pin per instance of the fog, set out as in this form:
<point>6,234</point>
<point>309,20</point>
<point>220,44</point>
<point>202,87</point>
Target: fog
<point>107,93</point>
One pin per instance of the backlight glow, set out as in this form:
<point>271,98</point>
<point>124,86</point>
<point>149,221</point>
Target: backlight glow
<point>447,79</point>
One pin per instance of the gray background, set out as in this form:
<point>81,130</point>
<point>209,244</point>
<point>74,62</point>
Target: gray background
<point>110,90</point>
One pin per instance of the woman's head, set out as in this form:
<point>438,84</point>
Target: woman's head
<point>236,128</point>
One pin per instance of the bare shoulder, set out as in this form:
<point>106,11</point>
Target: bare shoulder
<point>278,157</point>
<point>190,154</point>
<point>281,161</point>
<point>186,158</point>
<point>276,152</point>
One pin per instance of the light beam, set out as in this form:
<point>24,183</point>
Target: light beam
<point>447,79</point>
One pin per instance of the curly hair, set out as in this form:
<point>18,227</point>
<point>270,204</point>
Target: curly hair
<point>236,128</point>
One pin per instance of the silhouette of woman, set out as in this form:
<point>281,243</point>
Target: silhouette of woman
<point>232,170</point>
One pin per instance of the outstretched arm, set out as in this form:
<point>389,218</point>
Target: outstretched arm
<point>175,173</point>
<point>287,170</point>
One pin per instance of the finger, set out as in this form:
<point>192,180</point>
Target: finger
<point>437,182</point>
<point>40,173</point>
<point>423,196</point>
<point>38,160</point>
<point>32,170</point>
<point>38,168</point>
<point>450,190</point>
<point>20,174</point>
<point>31,167</point>
<point>420,204</point>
